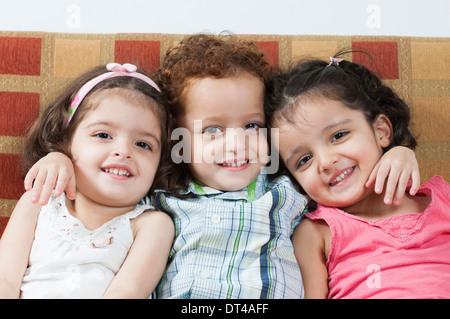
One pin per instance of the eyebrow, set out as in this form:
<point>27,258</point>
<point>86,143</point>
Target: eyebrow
<point>148,134</point>
<point>249,117</point>
<point>327,128</point>
<point>335,124</point>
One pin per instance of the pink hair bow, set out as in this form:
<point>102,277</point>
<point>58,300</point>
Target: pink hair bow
<point>334,61</point>
<point>116,67</point>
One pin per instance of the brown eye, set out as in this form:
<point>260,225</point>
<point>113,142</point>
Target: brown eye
<point>304,160</point>
<point>144,145</point>
<point>338,136</point>
<point>103,135</point>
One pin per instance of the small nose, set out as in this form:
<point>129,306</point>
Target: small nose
<point>327,160</point>
<point>235,140</point>
<point>122,151</point>
<point>122,154</point>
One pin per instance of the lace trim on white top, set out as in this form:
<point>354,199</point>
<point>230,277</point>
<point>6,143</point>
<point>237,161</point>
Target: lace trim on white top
<point>59,220</point>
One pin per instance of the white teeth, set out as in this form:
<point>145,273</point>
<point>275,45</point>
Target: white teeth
<point>234,164</point>
<point>341,177</point>
<point>117,171</point>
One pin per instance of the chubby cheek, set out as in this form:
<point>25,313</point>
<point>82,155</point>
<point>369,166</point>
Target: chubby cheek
<point>84,159</point>
<point>195,148</point>
<point>262,152</point>
<point>81,149</point>
<point>207,151</point>
<point>311,184</point>
<point>77,158</point>
<point>147,182</point>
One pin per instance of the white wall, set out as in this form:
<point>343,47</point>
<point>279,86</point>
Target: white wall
<point>344,17</point>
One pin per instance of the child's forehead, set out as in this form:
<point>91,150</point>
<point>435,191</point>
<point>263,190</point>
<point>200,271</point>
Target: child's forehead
<point>130,98</point>
<point>136,96</point>
<point>296,111</point>
<point>106,103</point>
<point>246,91</point>
<point>239,78</point>
<point>312,114</point>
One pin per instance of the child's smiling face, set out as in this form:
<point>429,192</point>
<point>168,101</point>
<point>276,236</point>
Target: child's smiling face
<point>331,149</point>
<point>116,150</point>
<point>224,117</point>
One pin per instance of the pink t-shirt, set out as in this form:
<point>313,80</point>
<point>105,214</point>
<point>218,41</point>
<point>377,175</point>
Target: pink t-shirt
<point>404,256</point>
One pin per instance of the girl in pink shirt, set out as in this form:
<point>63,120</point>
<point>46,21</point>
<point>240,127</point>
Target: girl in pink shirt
<point>353,245</point>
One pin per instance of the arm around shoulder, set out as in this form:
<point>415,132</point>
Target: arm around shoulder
<point>147,259</point>
<point>15,246</point>
<point>53,171</point>
<point>310,248</point>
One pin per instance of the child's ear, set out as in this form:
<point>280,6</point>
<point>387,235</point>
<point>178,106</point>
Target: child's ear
<point>383,130</point>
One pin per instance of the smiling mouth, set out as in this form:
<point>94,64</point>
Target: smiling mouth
<point>341,176</point>
<point>236,164</point>
<point>117,171</point>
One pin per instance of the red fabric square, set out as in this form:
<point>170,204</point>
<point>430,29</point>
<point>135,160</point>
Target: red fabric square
<point>20,56</point>
<point>384,55</point>
<point>3,223</point>
<point>144,54</point>
<point>271,49</point>
<point>18,111</point>
<point>11,186</point>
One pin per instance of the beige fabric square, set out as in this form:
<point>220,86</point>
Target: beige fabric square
<point>74,57</point>
<point>433,166</point>
<point>430,60</point>
<point>431,118</point>
<point>314,49</point>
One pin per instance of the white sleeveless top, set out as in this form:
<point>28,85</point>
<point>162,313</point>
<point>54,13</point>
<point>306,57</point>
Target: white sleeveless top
<point>69,261</point>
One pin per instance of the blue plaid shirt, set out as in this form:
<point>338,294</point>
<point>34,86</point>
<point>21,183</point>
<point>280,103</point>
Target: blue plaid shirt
<point>233,244</point>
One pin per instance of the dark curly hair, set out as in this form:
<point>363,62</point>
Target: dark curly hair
<point>196,57</point>
<point>350,83</point>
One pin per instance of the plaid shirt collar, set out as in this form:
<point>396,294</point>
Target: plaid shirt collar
<point>249,193</point>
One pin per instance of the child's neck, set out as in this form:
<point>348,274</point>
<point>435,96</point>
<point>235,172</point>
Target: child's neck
<point>91,213</point>
<point>373,207</point>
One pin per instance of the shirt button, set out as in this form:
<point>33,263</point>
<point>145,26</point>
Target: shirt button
<point>215,219</point>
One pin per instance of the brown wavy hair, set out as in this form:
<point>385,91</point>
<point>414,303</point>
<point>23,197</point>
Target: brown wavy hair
<point>201,56</point>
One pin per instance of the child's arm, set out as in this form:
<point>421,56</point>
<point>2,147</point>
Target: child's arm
<point>311,240</point>
<point>15,246</point>
<point>147,259</point>
<point>54,171</point>
<point>399,165</point>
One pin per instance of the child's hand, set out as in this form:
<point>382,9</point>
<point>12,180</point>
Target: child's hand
<point>54,171</point>
<point>401,165</point>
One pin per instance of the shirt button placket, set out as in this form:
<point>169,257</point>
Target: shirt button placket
<point>215,219</point>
